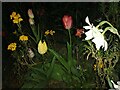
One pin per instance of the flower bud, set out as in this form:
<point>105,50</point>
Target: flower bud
<point>30,13</point>
<point>67,21</point>
<point>31,21</point>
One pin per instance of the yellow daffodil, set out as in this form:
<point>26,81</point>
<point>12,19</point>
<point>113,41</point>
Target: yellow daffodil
<point>12,15</point>
<point>17,20</point>
<point>23,38</point>
<point>47,32</point>
<point>16,17</point>
<point>12,47</point>
<point>42,47</point>
<point>51,32</point>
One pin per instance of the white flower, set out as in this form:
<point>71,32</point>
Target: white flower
<point>99,41</point>
<point>117,87</point>
<point>96,35</point>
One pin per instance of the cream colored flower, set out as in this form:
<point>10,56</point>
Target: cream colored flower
<point>42,47</point>
<point>31,21</point>
<point>30,13</point>
<point>52,32</point>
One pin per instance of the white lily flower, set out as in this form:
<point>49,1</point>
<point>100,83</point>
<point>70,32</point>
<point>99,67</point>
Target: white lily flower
<point>96,35</point>
<point>117,87</point>
<point>99,41</point>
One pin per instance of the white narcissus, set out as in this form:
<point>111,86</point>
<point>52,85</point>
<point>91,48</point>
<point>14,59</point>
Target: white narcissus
<point>96,35</point>
<point>42,47</point>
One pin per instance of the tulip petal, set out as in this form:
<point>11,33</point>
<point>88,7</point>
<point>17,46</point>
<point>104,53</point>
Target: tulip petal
<point>42,47</point>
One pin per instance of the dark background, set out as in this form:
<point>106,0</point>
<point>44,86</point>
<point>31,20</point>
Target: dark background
<point>52,13</point>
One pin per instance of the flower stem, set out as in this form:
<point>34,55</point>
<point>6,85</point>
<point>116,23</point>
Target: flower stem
<point>70,37</point>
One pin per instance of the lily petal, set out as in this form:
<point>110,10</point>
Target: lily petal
<point>87,27</point>
<point>88,35</point>
<point>105,45</point>
<point>87,21</point>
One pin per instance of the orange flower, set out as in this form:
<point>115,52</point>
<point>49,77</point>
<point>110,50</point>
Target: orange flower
<point>79,32</point>
<point>67,21</point>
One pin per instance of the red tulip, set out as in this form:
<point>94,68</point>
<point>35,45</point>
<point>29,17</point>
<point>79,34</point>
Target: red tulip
<point>67,21</point>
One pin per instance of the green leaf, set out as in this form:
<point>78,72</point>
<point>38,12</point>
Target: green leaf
<point>60,58</point>
<point>41,84</point>
<point>58,72</point>
<point>29,84</point>
<point>109,82</point>
<point>50,70</point>
<point>114,31</point>
<point>38,33</point>
<point>37,69</point>
<point>101,23</point>
<point>33,39</point>
<point>69,54</point>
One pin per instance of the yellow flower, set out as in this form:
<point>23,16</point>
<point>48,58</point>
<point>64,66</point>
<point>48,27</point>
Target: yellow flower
<point>51,32</point>
<point>16,17</point>
<point>42,47</point>
<point>47,32</point>
<point>12,47</point>
<point>101,65</point>
<point>15,32</point>
<point>12,15</point>
<point>23,38</point>
<point>94,67</point>
<point>17,20</point>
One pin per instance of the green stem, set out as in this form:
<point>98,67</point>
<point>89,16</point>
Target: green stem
<point>19,28</point>
<point>105,30</point>
<point>70,37</point>
<point>35,34</point>
<point>103,22</point>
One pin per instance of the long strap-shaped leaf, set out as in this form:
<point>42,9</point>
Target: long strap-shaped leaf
<point>60,58</point>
